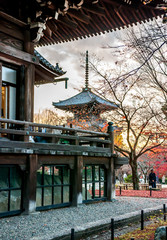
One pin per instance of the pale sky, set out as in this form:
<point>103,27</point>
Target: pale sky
<point>68,55</point>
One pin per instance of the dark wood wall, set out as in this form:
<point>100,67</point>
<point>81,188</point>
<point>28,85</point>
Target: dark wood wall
<point>16,49</point>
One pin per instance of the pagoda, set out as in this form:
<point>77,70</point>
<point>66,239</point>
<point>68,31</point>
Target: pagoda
<point>86,106</point>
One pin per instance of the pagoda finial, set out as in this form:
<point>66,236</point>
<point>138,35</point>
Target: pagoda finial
<point>86,72</point>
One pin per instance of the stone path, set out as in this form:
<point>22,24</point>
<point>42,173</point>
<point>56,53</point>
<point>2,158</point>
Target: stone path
<point>50,224</point>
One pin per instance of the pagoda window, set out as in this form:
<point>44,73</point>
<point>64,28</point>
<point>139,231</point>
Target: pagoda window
<point>53,186</point>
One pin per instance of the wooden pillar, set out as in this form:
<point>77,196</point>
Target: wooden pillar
<point>29,92</point>
<point>111,136</point>
<point>0,88</point>
<point>111,180</point>
<point>77,181</point>
<point>111,171</point>
<point>30,182</point>
<point>29,79</point>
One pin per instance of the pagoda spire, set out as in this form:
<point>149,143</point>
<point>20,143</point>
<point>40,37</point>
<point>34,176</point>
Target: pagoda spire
<point>87,73</point>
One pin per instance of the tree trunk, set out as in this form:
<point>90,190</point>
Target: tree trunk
<point>135,178</point>
<point>145,178</point>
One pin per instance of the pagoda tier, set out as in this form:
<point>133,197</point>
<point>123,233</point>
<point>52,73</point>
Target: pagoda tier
<point>86,105</point>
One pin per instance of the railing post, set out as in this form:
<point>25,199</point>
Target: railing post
<point>150,192</point>
<point>112,229</point>
<point>142,219</point>
<point>164,210</point>
<point>26,129</point>
<point>76,140</point>
<point>72,234</point>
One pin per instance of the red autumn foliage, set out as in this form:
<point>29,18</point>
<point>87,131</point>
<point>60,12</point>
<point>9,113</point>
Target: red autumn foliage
<point>156,159</point>
<point>142,193</point>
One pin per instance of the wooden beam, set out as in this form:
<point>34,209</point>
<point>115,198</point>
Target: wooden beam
<point>120,17</point>
<point>52,25</point>
<point>67,22</point>
<point>15,53</point>
<point>12,19</point>
<point>12,159</point>
<point>110,20</point>
<point>79,16</point>
<point>48,31</point>
<point>37,147</point>
<point>93,8</point>
<point>11,29</point>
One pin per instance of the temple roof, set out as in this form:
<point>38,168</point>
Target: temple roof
<point>45,72</point>
<point>83,98</point>
<point>65,20</point>
<point>56,69</point>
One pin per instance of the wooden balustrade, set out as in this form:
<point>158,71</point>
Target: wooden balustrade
<point>36,133</point>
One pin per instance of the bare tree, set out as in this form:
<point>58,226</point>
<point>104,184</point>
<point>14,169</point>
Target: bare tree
<point>136,114</point>
<point>146,44</point>
<point>50,117</point>
<point>150,45</point>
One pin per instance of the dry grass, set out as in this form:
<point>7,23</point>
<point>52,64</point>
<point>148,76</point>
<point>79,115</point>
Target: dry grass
<point>147,233</point>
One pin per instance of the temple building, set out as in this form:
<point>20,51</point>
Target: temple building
<point>86,106</point>
<point>49,174</point>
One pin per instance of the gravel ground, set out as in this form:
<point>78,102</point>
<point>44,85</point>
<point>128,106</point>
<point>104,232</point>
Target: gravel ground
<point>46,225</point>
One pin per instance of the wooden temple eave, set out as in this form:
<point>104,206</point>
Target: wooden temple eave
<point>66,21</point>
<point>117,15</point>
<point>44,75</point>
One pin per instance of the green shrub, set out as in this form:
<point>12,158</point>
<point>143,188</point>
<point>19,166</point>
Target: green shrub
<point>128,179</point>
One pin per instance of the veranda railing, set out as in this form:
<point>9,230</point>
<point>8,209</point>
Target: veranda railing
<point>26,132</point>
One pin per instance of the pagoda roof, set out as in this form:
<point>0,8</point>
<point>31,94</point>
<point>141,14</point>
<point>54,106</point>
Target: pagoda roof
<point>86,97</point>
<point>66,20</point>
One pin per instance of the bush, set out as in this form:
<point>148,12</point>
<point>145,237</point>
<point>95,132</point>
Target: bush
<point>128,179</point>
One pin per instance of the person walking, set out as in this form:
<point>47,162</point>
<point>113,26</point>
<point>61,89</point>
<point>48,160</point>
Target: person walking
<point>152,179</point>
